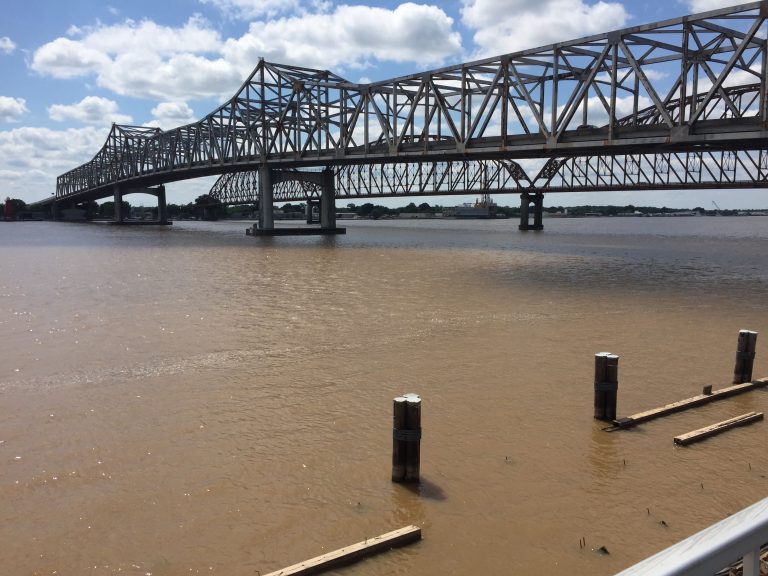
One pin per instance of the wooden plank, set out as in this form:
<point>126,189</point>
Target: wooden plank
<point>719,428</point>
<point>353,553</point>
<point>701,399</point>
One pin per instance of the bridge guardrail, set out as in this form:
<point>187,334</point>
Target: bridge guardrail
<point>710,551</point>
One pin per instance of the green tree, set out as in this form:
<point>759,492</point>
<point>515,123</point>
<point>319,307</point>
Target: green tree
<point>13,206</point>
<point>365,209</point>
<point>107,209</point>
<point>208,208</point>
<point>378,212</point>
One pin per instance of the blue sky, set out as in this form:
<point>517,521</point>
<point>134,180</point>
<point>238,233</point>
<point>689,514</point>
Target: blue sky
<point>70,69</point>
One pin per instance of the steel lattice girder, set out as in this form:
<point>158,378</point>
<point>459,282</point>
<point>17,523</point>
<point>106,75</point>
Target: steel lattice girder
<point>685,84</point>
<point>627,172</point>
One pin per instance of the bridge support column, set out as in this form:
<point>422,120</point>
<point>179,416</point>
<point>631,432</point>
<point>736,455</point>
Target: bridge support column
<point>54,215</point>
<point>328,201</point>
<point>535,202</point>
<point>266,198</point>
<point>118,198</point>
<point>311,204</point>
<point>162,206</point>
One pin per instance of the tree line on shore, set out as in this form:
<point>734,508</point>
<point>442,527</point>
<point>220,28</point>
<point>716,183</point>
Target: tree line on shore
<point>205,207</point>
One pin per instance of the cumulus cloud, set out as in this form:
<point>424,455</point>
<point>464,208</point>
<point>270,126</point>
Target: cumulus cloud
<point>65,58</point>
<point>90,110</point>
<point>6,45</point>
<point>195,36</point>
<point>32,157</point>
<point>705,5</point>
<point>147,60</point>
<point>503,26</point>
<point>167,115</point>
<point>142,59</point>
<point>12,109</point>
<point>411,32</point>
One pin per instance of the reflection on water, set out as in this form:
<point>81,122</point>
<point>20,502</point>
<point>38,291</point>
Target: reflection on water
<point>191,400</point>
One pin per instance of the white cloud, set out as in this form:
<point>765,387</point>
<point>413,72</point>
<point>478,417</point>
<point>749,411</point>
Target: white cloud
<point>195,36</point>
<point>32,158</point>
<point>65,58</point>
<point>147,60</point>
<point>90,110</point>
<point>503,26</point>
<point>705,5</point>
<point>143,59</point>
<point>7,46</point>
<point>167,115</point>
<point>247,9</point>
<point>411,32</point>
<point>11,109</point>
<point>182,76</point>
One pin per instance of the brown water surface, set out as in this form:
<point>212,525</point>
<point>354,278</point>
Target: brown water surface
<point>194,401</point>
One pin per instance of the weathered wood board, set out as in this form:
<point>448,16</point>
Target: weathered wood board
<point>353,553</point>
<point>701,399</point>
<point>719,428</point>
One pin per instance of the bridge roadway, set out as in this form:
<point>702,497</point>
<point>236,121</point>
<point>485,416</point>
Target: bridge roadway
<point>686,96</point>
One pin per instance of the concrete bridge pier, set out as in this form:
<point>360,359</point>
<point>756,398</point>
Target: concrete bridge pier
<point>162,206</point>
<point>118,199</point>
<point>266,198</point>
<point>310,210</point>
<point>328,201</point>
<point>531,204</point>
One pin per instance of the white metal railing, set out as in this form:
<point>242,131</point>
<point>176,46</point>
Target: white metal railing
<point>737,537</point>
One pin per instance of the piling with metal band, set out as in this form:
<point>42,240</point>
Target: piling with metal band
<point>745,357</point>
<point>413,446</point>
<point>399,418</point>
<point>606,385</point>
<point>406,438</point>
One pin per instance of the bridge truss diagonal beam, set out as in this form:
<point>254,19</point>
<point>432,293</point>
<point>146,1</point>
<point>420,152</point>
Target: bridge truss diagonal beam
<point>685,84</point>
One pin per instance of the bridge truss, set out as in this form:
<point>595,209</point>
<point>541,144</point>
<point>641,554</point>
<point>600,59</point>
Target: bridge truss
<point>691,85</point>
<point>665,171</point>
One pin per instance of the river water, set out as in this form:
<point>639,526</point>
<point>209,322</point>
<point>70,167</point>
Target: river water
<point>189,400</point>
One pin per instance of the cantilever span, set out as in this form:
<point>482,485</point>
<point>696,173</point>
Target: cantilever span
<point>691,85</point>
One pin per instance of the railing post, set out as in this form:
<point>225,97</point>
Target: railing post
<point>751,563</point>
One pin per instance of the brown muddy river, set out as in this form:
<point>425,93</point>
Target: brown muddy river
<point>194,401</point>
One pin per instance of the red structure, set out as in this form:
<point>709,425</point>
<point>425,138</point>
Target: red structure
<point>8,209</point>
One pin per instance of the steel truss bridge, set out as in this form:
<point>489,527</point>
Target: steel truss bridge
<point>676,104</point>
